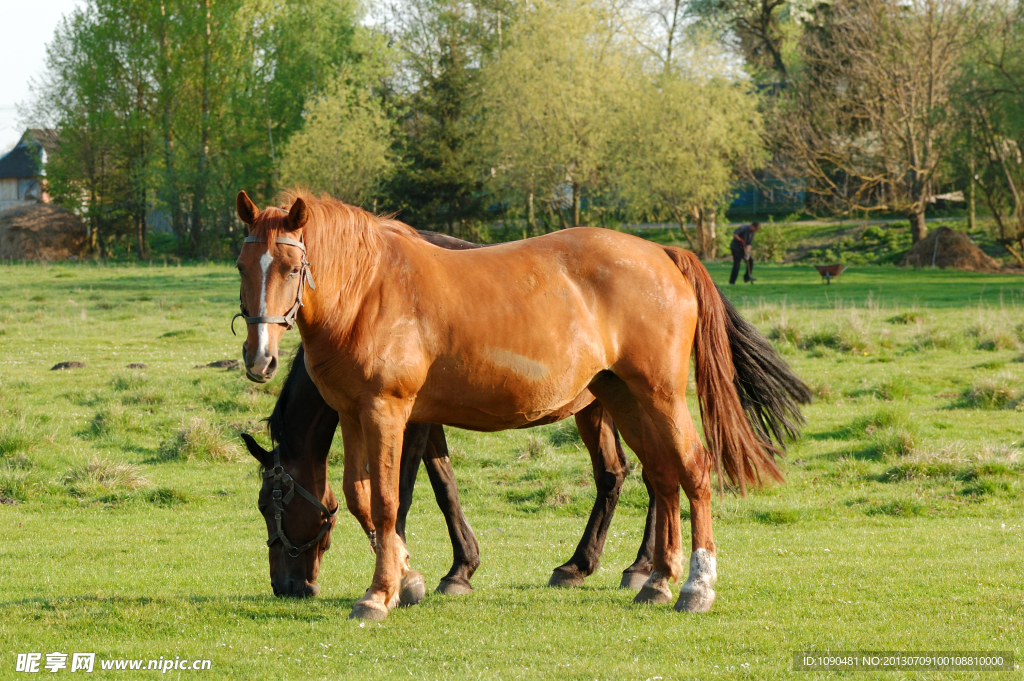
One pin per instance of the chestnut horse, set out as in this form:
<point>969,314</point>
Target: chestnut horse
<point>302,427</point>
<point>397,330</point>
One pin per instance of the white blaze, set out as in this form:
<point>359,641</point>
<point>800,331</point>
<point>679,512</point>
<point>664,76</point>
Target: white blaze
<point>262,337</point>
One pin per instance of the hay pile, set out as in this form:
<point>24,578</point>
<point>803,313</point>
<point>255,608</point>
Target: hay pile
<point>41,231</point>
<point>955,250</point>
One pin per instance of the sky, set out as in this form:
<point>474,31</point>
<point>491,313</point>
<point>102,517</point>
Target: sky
<point>23,56</point>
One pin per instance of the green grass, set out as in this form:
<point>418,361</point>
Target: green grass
<point>130,527</point>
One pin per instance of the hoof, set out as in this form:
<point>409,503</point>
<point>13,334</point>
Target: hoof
<point>634,581</point>
<point>655,590</point>
<point>413,589</point>
<point>450,587</point>
<point>566,577</point>
<point>695,600</point>
<point>366,611</point>
<point>697,594</point>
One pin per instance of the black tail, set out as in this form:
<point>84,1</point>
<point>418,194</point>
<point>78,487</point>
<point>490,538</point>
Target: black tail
<point>769,390</point>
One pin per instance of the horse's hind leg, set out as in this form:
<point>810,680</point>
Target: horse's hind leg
<point>465,550</point>
<point>672,419</point>
<point>610,470</point>
<point>697,594</point>
<point>637,574</point>
<point>414,443</point>
<point>640,434</point>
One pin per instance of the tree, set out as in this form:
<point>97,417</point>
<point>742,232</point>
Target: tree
<point>174,105</point>
<point>867,123</point>
<point>344,149</point>
<point>99,95</point>
<point>991,110</point>
<point>685,143</point>
<point>551,97</point>
<point>442,46</point>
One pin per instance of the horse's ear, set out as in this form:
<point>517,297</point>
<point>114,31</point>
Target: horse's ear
<point>258,453</point>
<point>298,215</point>
<point>247,210</point>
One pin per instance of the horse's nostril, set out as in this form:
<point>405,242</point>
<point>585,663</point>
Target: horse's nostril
<point>272,367</point>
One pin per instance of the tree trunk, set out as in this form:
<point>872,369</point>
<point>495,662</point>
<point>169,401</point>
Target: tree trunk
<point>140,236</point>
<point>918,227</point>
<point>200,189</point>
<point>970,196</point>
<point>531,214</point>
<point>172,196</point>
<point>706,238</point>
<point>575,204</point>
<point>710,236</point>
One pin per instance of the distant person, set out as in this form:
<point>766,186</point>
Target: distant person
<point>742,242</point>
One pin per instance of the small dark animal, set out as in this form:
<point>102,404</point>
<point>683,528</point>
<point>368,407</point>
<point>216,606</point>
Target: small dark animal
<point>67,365</point>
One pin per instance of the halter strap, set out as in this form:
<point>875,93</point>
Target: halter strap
<point>279,498</point>
<point>305,277</point>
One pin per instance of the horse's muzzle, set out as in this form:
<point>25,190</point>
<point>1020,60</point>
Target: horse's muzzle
<point>295,588</point>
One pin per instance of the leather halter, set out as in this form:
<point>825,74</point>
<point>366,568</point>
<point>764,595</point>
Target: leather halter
<point>305,277</point>
<point>279,498</point>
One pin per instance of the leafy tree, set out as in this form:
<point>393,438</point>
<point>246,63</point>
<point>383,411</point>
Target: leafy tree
<point>550,102</point>
<point>685,143</point>
<point>442,46</point>
<point>990,150</point>
<point>344,148</point>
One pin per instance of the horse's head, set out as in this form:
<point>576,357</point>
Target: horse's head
<point>300,510</point>
<point>274,273</point>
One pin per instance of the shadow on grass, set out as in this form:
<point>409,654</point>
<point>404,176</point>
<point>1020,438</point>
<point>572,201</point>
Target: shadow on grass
<point>243,606</point>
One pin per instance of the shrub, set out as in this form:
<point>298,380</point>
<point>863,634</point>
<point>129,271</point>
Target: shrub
<point>166,496</point>
<point>994,392</point>
<point>131,380</point>
<point>893,441</point>
<point>898,508</point>
<point>785,332</point>
<point>199,439</point>
<point>894,388</point>
<point>775,517</point>
<point>15,438</point>
<point>14,477</point>
<point>909,317</point>
<point>104,476</point>
<point>565,433</point>
<point>535,447</point>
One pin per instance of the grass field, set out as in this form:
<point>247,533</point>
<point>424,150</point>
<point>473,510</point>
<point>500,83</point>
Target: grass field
<point>129,527</point>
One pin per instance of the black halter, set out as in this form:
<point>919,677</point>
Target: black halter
<point>305,277</point>
<point>279,498</point>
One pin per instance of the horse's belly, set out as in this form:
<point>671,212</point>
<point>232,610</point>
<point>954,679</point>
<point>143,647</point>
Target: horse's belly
<point>490,400</point>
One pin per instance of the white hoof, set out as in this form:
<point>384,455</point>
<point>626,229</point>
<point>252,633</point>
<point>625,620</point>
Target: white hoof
<point>697,593</point>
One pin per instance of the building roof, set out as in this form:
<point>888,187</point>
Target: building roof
<point>26,159</point>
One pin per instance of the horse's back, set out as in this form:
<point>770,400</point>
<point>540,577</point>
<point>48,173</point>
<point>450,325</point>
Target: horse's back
<point>522,328</point>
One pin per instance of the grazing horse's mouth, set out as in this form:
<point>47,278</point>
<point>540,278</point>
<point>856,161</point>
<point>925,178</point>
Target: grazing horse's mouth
<point>257,379</point>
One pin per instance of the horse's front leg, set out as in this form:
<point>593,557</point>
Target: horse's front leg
<point>356,481</point>
<point>382,427</point>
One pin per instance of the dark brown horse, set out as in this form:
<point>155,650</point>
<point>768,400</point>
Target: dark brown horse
<point>397,330</point>
<point>302,425</point>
